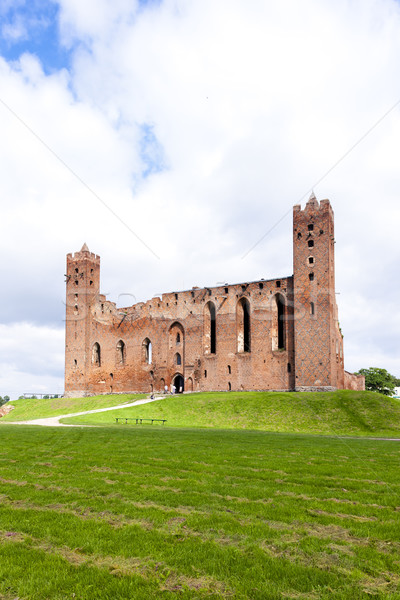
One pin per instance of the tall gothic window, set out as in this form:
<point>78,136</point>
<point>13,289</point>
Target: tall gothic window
<point>210,337</point>
<point>120,353</point>
<point>280,305</point>
<point>147,351</point>
<point>243,325</point>
<point>96,360</point>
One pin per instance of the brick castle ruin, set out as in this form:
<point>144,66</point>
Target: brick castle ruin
<point>278,334</point>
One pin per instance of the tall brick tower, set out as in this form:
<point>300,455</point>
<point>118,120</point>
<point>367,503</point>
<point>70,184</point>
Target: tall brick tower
<point>83,285</point>
<point>317,338</point>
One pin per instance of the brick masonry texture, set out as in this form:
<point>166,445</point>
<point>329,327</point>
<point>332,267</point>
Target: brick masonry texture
<point>280,334</point>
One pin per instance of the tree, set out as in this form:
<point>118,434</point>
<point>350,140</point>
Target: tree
<point>379,380</point>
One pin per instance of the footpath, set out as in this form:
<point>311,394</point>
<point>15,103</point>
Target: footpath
<point>55,421</point>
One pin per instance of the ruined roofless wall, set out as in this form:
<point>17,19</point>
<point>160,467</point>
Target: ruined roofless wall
<point>278,334</point>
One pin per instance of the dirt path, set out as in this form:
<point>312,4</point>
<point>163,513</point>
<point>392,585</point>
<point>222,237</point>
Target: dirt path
<point>55,421</point>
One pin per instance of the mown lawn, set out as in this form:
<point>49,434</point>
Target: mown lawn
<point>124,512</point>
<point>343,412</point>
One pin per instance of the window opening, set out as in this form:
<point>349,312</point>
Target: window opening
<point>210,330</point>
<point>178,359</point>
<point>311,227</point>
<point>178,338</point>
<point>311,276</point>
<point>147,351</point>
<point>229,369</point>
<point>120,352</point>
<point>243,325</point>
<point>311,260</point>
<point>205,374</point>
<point>311,243</point>
<point>229,386</point>
<point>312,308</point>
<point>281,322</point>
<point>261,286</point>
<point>96,359</point>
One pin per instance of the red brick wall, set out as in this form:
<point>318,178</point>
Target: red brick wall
<point>354,382</point>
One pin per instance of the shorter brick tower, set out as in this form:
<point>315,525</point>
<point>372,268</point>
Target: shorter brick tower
<point>318,341</point>
<point>83,285</point>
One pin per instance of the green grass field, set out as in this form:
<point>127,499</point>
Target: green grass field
<point>343,412</point>
<point>207,506</point>
<point>137,513</point>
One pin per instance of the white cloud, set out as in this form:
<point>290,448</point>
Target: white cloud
<point>31,359</point>
<point>250,105</point>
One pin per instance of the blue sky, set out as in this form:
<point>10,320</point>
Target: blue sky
<point>199,124</point>
<point>33,27</point>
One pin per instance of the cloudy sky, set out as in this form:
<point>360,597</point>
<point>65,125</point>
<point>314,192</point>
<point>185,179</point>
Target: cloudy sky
<point>173,136</point>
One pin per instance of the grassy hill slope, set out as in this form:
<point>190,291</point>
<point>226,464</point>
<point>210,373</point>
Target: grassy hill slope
<point>343,412</point>
<point>38,408</point>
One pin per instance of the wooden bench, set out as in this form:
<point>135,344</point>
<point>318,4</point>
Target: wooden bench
<point>138,420</point>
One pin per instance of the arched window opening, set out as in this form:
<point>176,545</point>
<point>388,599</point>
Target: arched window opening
<point>120,353</point>
<point>243,325</point>
<point>75,362</point>
<point>210,337</point>
<point>229,386</point>
<point>147,351</point>
<point>312,308</point>
<point>278,322</point>
<point>205,374</point>
<point>229,369</point>
<point>178,359</point>
<point>96,359</point>
<point>281,322</point>
<point>176,335</point>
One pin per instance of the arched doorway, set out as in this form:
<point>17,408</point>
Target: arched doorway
<point>179,384</point>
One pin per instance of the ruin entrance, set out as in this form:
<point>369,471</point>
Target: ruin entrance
<point>179,384</point>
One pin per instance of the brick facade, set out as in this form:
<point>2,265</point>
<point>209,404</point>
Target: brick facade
<point>279,334</point>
